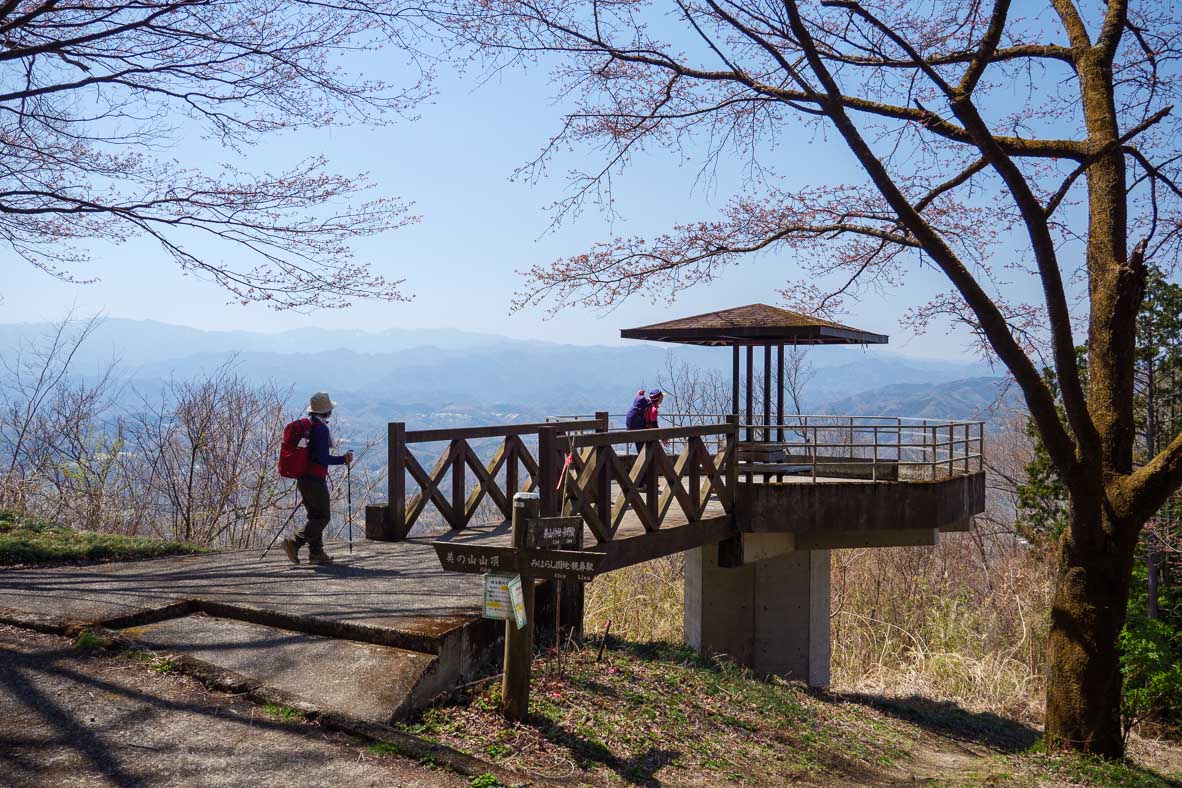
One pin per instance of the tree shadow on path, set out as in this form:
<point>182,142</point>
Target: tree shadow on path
<point>951,721</point>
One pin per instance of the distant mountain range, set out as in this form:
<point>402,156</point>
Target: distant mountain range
<point>438,377</point>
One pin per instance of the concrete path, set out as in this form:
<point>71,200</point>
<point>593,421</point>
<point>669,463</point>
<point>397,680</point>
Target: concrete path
<point>74,718</point>
<point>370,682</point>
<point>397,587</point>
<point>385,629</point>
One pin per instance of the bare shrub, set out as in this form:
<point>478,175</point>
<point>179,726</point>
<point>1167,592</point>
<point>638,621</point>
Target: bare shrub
<point>35,387</point>
<point>195,461</point>
<point>203,458</point>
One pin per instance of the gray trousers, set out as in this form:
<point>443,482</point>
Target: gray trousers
<point>319,508</point>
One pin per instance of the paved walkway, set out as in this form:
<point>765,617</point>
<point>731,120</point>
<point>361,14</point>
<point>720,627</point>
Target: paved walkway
<point>388,627</point>
<point>398,587</point>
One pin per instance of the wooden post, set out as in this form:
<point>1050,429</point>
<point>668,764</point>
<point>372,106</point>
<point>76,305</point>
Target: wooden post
<point>396,481</point>
<point>519,643</point>
<point>548,469</point>
<point>652,482</point>
<point>552,448</point>
<point>732,459</point>
<point>603,477</point>
<point>459,486</point>
<point>512,463</point>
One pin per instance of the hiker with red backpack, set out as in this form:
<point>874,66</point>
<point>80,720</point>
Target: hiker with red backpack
<point>305,456</point>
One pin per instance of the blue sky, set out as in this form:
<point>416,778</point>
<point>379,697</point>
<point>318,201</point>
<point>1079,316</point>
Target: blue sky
<point>455,163</point>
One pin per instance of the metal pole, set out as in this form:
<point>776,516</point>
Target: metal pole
<point>349,499</point>
<point>735,381</point>
<point>814,452</point>
<point>980,445</point>
<point>780,393</point>
<point>932,458</point>
<point>898,439</point>
<point>951,448</point>
<point>767,393</point>
<point>275,538</point>
<point>750,386</point>
<point>966,447</point>
<point>874,462</point>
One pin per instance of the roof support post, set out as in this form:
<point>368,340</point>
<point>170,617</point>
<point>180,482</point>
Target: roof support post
<point>780,392</point>
<point>767,393</point>
<point>750,387</point>
<point>735,361</point>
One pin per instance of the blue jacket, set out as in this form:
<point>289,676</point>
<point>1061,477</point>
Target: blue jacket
<point>320,455</point>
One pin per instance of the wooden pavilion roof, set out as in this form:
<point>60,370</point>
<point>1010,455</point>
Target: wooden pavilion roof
<point>754,324</point>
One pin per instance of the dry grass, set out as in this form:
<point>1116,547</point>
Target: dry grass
<point>643,602</point>
<point>965,621</point>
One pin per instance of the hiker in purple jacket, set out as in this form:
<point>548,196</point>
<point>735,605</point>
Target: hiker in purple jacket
<point>645,412</point>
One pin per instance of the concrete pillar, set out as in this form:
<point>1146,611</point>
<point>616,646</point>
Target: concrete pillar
<point>770,615</point>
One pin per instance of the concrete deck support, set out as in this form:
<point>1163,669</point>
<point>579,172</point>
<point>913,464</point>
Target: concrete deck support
<point>770,615</point>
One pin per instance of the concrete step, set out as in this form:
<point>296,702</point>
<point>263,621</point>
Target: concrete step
<point>373,682</point>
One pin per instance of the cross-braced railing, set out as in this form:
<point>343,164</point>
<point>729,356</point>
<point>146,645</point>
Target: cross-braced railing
<point>602,485</point>
<point>460,481</point>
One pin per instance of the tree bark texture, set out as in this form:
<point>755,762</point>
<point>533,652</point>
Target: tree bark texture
<point>1088,611</point>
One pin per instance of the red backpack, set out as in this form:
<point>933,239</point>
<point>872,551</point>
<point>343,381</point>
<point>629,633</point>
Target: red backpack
<point>293,451</point>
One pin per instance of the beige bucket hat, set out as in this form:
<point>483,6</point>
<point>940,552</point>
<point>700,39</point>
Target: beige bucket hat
<point>321,403</point>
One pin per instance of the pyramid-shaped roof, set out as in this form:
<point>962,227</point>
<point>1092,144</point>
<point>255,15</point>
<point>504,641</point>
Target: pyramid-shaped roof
<point>754,324</point>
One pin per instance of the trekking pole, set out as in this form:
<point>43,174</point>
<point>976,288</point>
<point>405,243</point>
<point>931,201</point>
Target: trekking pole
<point>349,500</point>
<point>282,528</point>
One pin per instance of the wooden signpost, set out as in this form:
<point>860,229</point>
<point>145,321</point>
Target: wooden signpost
<point>557,564</point>
<point>537,552</point>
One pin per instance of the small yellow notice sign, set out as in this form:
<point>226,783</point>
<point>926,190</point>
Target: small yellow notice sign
<point>497,603</point>
<point>517,598</point>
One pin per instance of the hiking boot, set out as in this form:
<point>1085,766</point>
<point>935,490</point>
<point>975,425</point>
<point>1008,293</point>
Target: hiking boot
<point>292,549</point>
<point>319,557</point>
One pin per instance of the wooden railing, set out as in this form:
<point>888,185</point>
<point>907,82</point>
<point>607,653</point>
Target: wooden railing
<point>602,486</point>
<point>515,466</point>
<point>575,467</point>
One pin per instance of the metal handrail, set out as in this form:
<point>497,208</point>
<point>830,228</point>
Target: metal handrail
<point>944,447</point>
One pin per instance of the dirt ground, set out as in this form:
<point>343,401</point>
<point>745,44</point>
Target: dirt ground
<point>70,716</point>
<point>74,717</point>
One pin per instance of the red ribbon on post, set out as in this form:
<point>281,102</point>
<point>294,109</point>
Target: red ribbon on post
<point>562,474</point>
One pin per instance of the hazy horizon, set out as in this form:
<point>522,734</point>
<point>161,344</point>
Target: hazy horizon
<point>816,354</point>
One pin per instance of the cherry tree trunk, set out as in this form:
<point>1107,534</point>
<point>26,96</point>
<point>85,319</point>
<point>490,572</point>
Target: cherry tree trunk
<point>1088,612</point>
